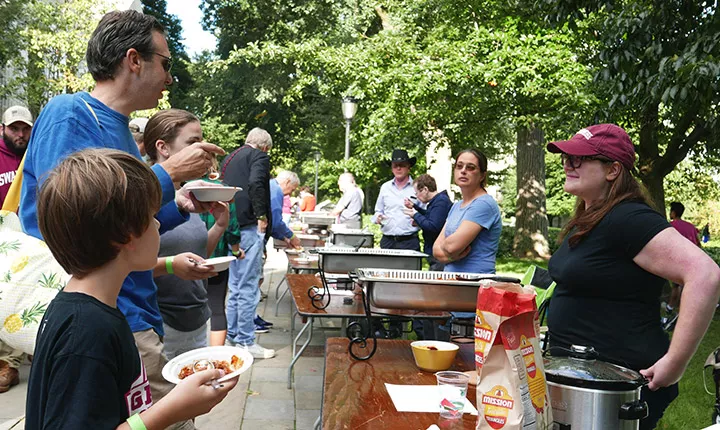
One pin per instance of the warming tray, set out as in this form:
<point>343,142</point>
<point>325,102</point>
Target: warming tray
<point>306,241</point>
<point>343,260</point>
<point>317,218</point>
<point>423,290</point>
<point>352,237</point>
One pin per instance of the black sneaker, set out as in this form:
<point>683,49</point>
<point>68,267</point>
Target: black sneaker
<point>260,321</point>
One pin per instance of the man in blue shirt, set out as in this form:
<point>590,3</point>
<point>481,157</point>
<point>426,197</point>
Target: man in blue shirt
<point>397,227</point>
<point>129,60</point>
<point>282,186</point>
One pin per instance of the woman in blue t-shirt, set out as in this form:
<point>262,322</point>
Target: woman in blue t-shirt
<point>469,241</point>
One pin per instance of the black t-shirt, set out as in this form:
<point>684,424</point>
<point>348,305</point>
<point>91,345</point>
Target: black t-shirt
<point>602,298</point>
<point>86,371</point>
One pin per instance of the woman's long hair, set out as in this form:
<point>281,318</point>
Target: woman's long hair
<point>624,187</point>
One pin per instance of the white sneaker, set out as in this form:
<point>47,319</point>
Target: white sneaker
<point>258,351</point>
<point>229,342</point>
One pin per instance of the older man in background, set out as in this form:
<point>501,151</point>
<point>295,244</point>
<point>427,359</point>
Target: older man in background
<point>248,167</point>
<point>349,208</point>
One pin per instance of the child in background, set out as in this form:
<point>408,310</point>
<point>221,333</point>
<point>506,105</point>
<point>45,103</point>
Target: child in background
<point>87,371</point>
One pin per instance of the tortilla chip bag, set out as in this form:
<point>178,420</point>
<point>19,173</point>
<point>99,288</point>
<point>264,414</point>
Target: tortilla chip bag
<point>511,391</point>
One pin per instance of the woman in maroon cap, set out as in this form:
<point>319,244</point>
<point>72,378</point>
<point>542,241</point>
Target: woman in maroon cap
<point>610,269</point>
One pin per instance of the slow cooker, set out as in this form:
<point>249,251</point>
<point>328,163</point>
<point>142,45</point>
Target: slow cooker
<point>590,394</point>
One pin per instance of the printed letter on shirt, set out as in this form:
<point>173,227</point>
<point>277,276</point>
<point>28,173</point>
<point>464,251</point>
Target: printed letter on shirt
<point>139,398</point>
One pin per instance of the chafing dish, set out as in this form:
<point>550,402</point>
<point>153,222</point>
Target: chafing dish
<point>306,241</point>
<point>426,291</point>
<point>352,237</point>
<point>343,260</point>
<point>317,218</point>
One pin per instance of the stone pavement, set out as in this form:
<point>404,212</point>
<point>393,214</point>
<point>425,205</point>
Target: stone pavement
<point>261,399</point>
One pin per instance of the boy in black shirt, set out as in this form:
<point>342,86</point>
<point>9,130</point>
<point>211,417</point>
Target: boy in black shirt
<point>95,211</point>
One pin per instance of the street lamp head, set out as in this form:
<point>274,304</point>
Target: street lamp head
<point>349,107</point>
<point>317,156</point>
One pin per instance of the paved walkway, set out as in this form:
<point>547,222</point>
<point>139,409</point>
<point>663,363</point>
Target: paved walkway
<point>261,399</point>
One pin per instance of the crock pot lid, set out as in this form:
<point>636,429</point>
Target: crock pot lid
<point>593,374</point>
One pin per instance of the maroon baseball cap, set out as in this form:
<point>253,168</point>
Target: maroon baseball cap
<point>607,140</point>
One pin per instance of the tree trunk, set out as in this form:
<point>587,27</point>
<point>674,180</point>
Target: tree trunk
<point>648,151</point>
<point>531,222</point>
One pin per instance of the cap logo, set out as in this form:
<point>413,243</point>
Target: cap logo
<point>586,133</point>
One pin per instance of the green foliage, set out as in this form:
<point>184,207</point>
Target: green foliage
<point>54,37</point>
<point>656,66</point>
<point>183,81</point>
<point>559,202</point>
<point>12,16</point>
<point>692,185</point>
<point>423,71</point>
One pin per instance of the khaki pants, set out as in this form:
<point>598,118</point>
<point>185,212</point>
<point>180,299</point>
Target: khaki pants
<point>151,351</point>
<point>12,356</point>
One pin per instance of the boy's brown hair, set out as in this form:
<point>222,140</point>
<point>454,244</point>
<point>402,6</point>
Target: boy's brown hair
<point>93,202</point>
<point>426,181</point>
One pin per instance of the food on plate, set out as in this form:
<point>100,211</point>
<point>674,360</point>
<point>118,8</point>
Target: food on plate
<point>200,365</point>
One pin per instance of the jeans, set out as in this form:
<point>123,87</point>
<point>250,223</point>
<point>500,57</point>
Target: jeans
<point>176,342</point>
<point>244,294</point>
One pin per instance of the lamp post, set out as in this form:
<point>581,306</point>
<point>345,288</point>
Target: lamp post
<point>317,164</point>
<point>349,109</point>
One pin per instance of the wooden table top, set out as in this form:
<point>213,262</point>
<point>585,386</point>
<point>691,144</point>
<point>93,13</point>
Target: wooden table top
<point>300,284</point>
<point>354,393</point>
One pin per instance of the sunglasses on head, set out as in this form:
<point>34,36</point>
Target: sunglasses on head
<point>167,64</point>
<point>575,161</point>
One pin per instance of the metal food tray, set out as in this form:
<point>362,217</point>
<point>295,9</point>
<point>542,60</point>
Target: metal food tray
<point>306,241</point>
<point>353,237</point>
<point>317,218</point>
<point>423,290</point>
<point>343,260</point>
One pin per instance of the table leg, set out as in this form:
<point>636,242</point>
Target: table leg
<point>277,289</point>
<point>343,327</point>
<point>302,349</point>
<point>277,303</point>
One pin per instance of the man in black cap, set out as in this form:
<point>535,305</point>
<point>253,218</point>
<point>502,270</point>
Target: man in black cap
<point>397,228</point>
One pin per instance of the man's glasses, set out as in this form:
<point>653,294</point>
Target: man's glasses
<point>468,167</point>
<point>575,161</point>
<point>167,64</point>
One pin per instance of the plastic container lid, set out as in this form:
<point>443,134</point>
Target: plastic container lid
<point>591,373</point>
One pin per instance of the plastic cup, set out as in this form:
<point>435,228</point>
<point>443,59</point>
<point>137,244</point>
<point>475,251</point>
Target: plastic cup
<point>453,392</point>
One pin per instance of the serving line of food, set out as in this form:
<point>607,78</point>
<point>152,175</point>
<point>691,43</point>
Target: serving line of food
<point>337,308</point>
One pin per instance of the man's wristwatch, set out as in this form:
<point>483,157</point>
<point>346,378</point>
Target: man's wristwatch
<point>262,218</point>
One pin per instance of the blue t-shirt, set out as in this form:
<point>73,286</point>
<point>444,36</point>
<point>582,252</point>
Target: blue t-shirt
<point>67,125</point>
<point>485,212</point>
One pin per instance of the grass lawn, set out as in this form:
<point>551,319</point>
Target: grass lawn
<point>694,407</point>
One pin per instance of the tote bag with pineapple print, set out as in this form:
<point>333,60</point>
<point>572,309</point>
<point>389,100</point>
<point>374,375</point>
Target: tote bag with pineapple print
<point>29,280</point>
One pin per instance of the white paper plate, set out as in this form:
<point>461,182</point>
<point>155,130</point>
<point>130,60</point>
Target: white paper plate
<point>219,263</point>
<point>173,367</point>
<point>214,194</point>
<point>294,251</point>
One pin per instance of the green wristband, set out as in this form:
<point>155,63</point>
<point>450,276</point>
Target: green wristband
<point>168,266</point>
<point>135,422</point>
